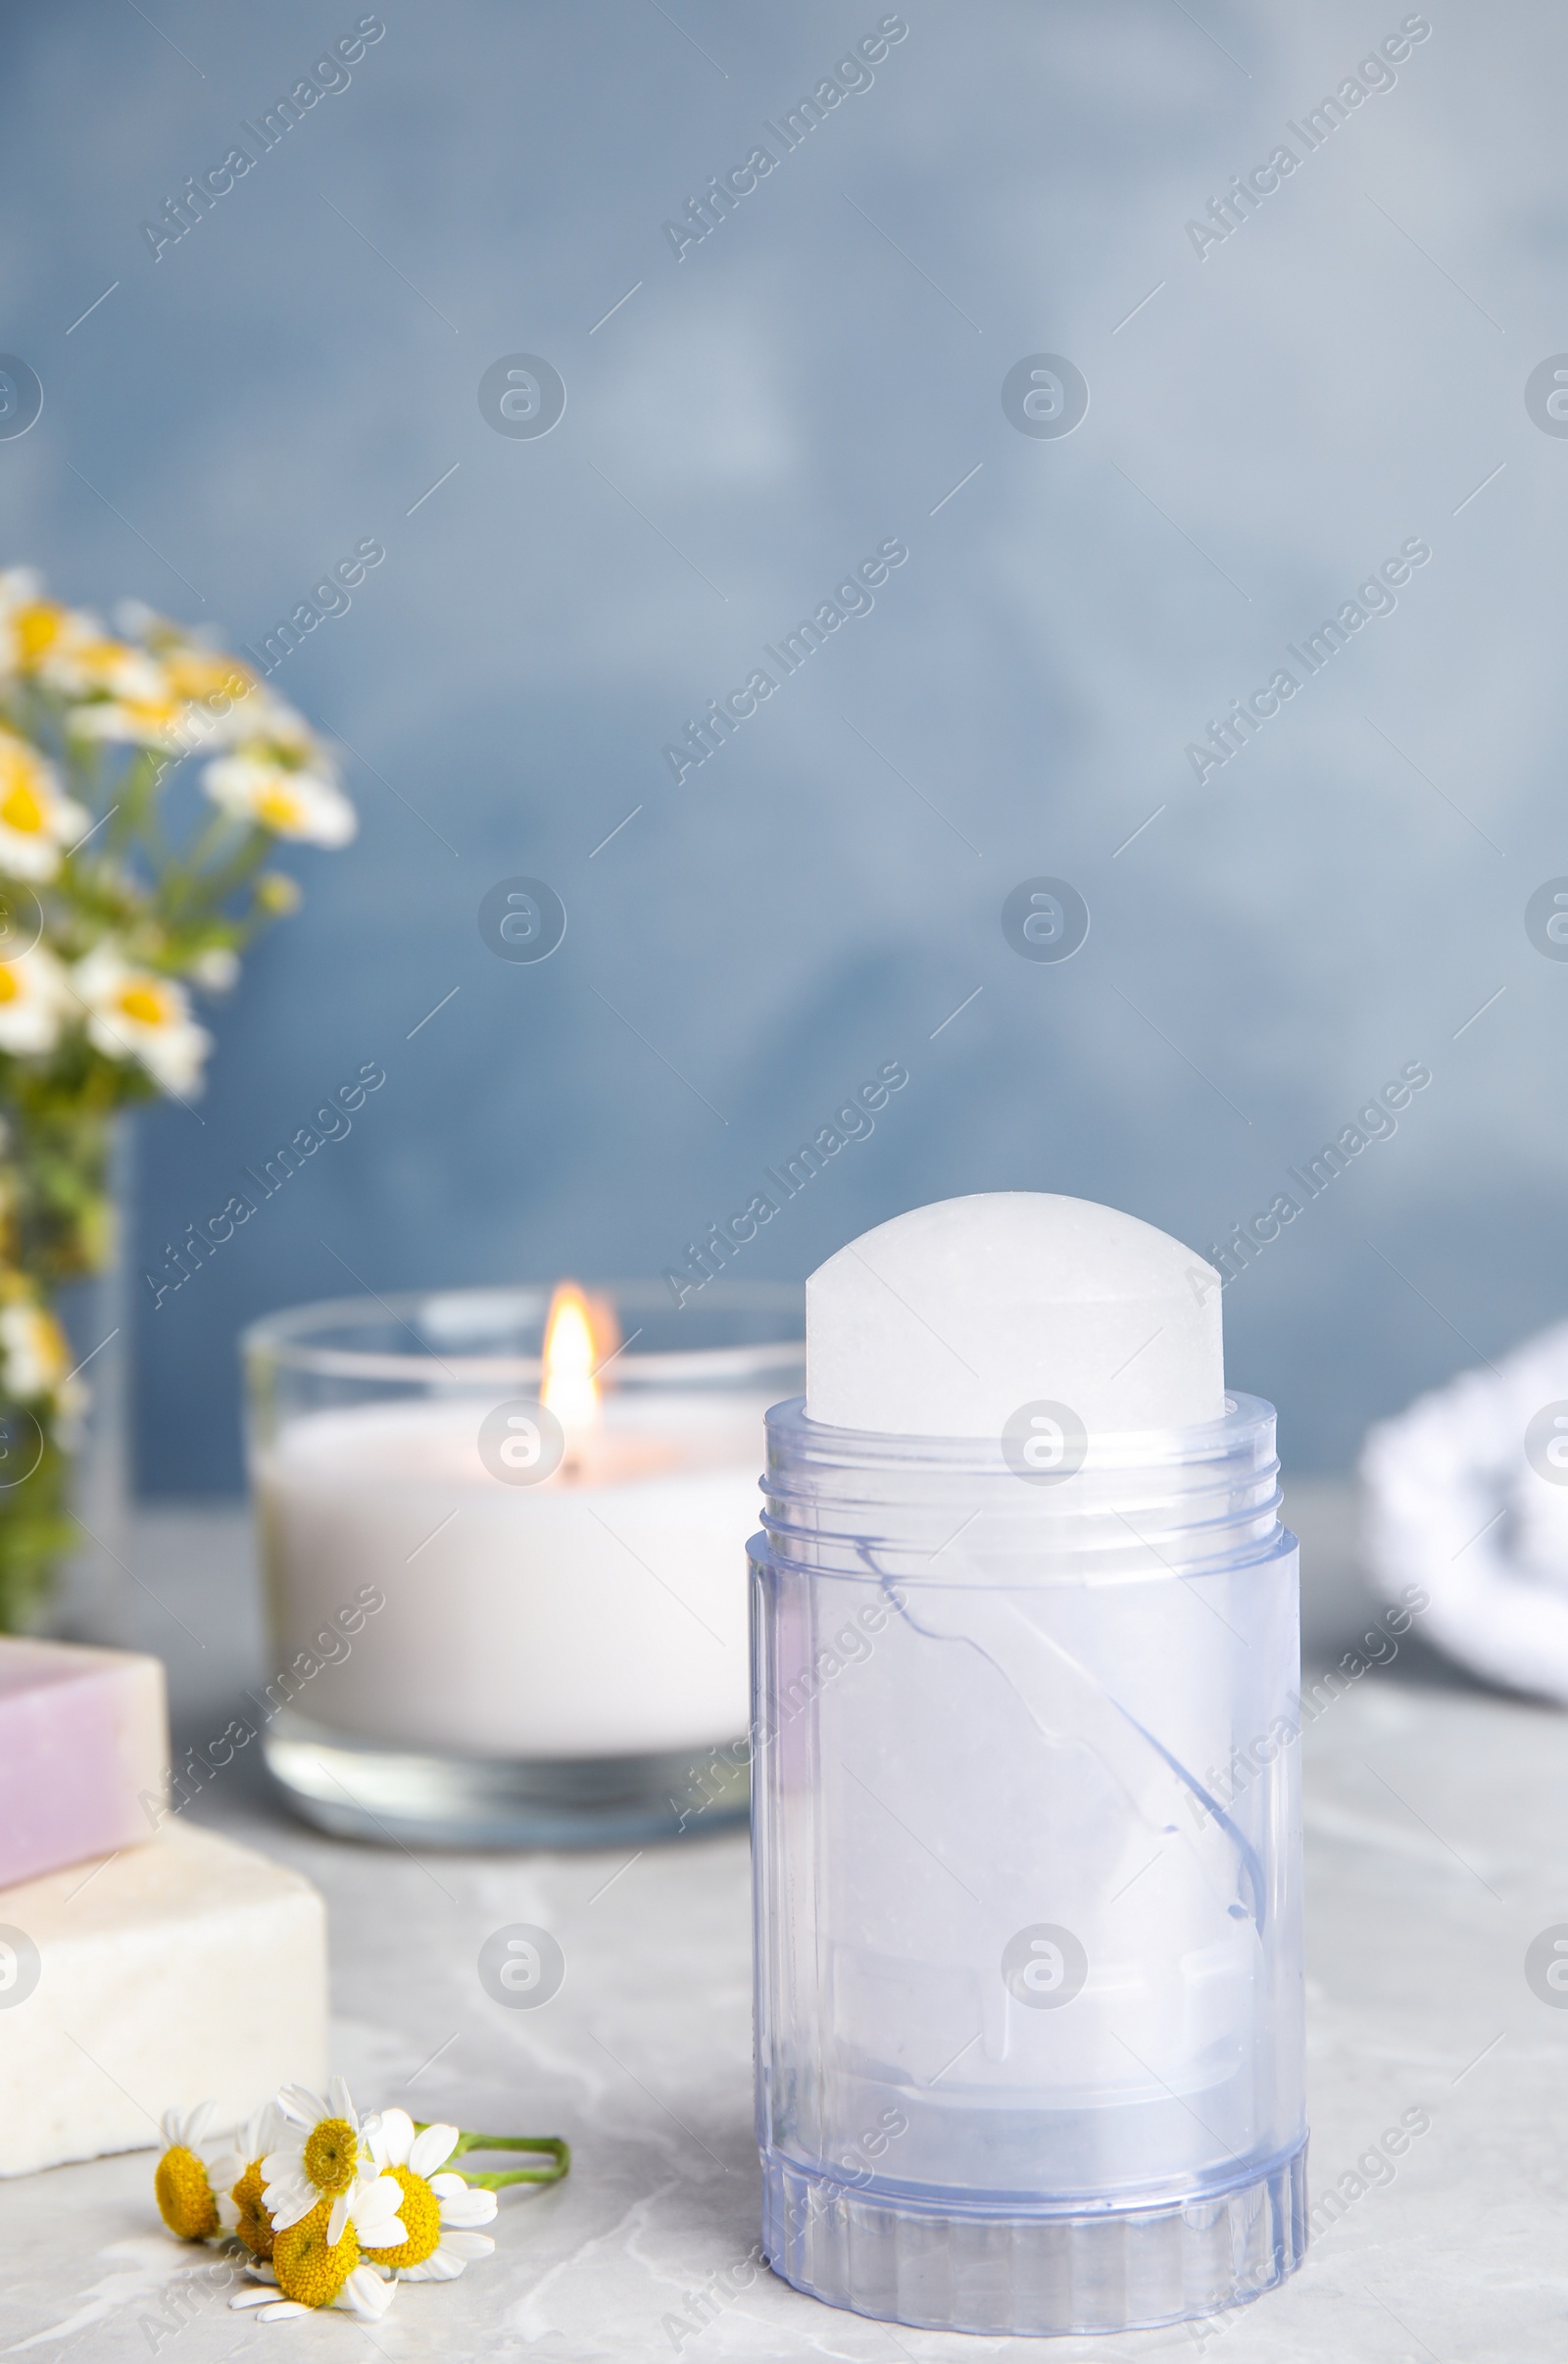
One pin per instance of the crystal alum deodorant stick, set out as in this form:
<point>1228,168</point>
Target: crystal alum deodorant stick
<point>1028,1955</point>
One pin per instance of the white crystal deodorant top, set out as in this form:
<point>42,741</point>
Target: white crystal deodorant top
<point>942,1322</point>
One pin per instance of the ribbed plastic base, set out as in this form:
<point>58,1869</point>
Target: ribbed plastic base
<point>974,2269</point>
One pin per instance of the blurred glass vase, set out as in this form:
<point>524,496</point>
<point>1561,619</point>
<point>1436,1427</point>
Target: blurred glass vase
<point>503,1535</point>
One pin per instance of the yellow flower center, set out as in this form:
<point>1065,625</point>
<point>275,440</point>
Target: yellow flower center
<point>193,675</point>
<point>277,808</point>
<point>100,657</point>
<point>255,2227</point>
<point>36,628</point>
<point>145,715</point>
<point>10,988</point>
<point>420,2212</point>
<point>143,1003</point>
<point>332,2154</point>
<point>22,811</point>
<point>307,2268</point>
<point>186,2199</point>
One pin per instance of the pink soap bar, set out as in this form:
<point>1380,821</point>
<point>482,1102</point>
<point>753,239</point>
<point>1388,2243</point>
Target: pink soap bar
<point>83,1753</point>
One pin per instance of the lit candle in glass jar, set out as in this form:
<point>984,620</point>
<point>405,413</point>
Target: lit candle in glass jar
<point>554,1526</point>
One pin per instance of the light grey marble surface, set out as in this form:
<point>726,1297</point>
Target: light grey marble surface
<point>1437,1823</point>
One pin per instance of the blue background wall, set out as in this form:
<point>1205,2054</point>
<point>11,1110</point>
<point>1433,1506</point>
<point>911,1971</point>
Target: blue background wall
<point>1337,375</point>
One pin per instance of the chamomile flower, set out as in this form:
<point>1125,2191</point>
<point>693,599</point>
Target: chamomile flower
<point>149,714</point>
<point>36,820</point>
<point>439,2212</point>
<point>82,662</point>
<point>193,672</point>
<point>193,668</point>
<point>308,805</point>
<point>322,2153</point>
<point>39,631</point>
<point>34,1360</point>
<point>186,2200</point>
<point>66,648</point>
<point>307,2271</point>
<point>237,2180</point>
<point>281,777</point>
<point>134,1014</point>
<point>35,1000</point>
<point>217,970</point>
<point>180,700</point>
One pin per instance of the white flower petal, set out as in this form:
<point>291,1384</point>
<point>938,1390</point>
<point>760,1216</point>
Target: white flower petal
<point>383,2232</point>
<point>217,970</point>
<point>374,2209</point>
<point>376,2195</point>
<point>36,1359</point>
<point>301,2107</point>
<point>365,2293</point>
<point>390,2133</point>
<point>342,2106</point>
<point>432,2149</point>
<point>287,2204</point>
<point>466,2207</point>
<point>338,2218</point>
<point>465,2245</point>
<point>171,2129</point>
<point>281,2310</point>
<point>200,2119</point>
<point>264,2132</point>
<point>257,2296</point>
<point>26,857</point>
<point>439,2267</point>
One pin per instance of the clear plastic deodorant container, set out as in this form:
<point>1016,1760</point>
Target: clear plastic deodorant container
<point>1027,1843</point>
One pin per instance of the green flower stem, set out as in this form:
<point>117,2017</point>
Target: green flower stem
<point>203,891</point>
<point>497,2179</point>
<point>209,838</point>
<point>136,814</point>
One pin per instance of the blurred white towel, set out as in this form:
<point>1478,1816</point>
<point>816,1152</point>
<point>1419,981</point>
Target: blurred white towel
<point>1466,1493</point>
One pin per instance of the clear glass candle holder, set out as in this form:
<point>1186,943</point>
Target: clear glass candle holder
<point>490,1626</point>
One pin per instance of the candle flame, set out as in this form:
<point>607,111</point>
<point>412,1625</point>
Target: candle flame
<point>570,1357</point>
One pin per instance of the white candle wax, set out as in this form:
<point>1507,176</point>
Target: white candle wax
<point>601,1612</point>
